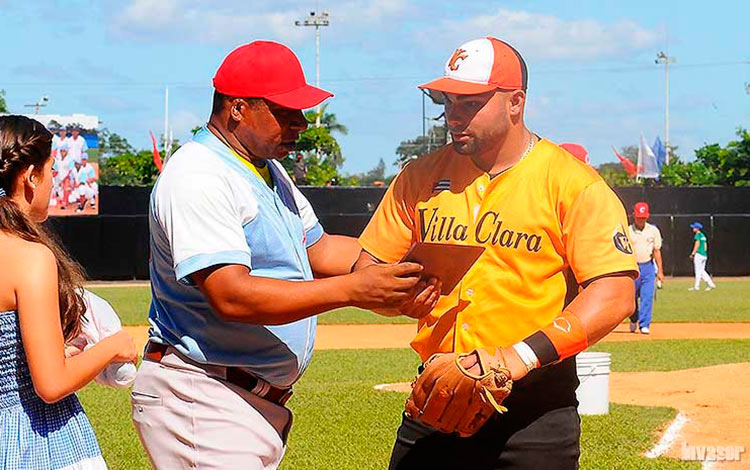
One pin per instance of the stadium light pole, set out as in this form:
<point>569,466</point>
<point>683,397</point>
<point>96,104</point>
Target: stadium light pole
<point>662,58</point>
<point>41,103</point>
<point>317,19</point>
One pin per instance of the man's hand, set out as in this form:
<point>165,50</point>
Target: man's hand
<point>507,358</point>
<point>660,276</point>
<point>383,285</point>
<point>426,295</point>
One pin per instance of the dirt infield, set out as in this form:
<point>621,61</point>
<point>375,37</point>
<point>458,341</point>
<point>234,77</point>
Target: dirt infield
<point>715,399</point>
<point>387,336</point>
<point>399,336</point>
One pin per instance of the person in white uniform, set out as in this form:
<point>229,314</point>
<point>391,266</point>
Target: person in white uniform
<point>76,144</point>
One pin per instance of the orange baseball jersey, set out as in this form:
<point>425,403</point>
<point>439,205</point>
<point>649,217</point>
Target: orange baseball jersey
<point>548,224</point>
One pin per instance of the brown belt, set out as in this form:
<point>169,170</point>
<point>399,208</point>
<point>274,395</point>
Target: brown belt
<point>155,352</point>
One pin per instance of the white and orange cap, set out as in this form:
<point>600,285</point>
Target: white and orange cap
<point>480,66</point>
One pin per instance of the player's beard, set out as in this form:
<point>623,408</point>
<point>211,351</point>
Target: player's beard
<point>469,147</point>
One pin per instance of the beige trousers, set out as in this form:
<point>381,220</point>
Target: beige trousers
<point>187,418</point>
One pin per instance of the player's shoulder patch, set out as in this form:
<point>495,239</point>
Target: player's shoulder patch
<point>621,240</point>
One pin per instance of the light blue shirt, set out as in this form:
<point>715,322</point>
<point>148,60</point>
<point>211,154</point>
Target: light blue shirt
<point>207,209</point>
<point>85,173</point>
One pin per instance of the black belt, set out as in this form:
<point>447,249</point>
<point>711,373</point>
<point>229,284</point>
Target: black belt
<point>154,352</point>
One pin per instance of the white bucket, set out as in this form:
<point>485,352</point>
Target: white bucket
<point>593,392</point>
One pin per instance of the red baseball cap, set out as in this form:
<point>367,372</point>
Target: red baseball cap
<point>577,150</point>
<point>266,69</point>
<point>641,210</point>
<point>480,66</point>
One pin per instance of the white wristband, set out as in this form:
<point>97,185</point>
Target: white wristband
<point>527,356</point>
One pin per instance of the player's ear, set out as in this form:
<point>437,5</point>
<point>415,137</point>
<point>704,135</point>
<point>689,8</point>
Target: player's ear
<point>516,102</point>
<point>237,109</point>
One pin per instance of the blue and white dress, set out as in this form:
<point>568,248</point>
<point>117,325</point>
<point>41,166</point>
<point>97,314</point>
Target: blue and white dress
<point>35,435</point>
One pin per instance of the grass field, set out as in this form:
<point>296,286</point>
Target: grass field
<point>342,422</point>
<point>729,303</point>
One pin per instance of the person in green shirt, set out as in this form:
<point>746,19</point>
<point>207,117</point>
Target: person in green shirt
<point>700,257</point>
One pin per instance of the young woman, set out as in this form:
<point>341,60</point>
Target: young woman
<point>42,424</point>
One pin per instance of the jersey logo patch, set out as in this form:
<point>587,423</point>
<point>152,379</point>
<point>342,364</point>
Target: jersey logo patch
<point>442,185</point>
<point>621,241</point>
<point>459,54</point>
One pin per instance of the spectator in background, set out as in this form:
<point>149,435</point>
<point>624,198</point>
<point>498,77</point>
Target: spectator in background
<point>700,258</point>
<point>77,145</point>
<point>59,140</point>
<point>86,187</point>
<point>578,151</point>
<point>646,240</point>
<point>299,171</point>
<point>65,167</point>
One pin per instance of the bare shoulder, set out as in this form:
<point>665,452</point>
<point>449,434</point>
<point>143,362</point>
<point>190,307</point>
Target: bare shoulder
<point>22,257</point>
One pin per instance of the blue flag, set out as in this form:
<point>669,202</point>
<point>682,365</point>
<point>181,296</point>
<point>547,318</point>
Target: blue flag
<point>660,151</point>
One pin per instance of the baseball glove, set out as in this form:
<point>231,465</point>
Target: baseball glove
<point>451,399</point>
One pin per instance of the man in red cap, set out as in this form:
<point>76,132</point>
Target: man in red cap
<point>646,240</point>
<point>548,225</point>
<point>235,248</point>
<point>577,150</point>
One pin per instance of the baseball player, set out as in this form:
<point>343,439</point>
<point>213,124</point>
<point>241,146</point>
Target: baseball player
<point>234,246</point>
<point>578,151</point>
<point>59,140</point>
<point>646,240</point>
<point>549,224</point>
<point>76,144</point>
<point>86,187</point>
<point>699,255</point>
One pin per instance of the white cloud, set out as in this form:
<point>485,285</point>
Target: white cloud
<point>541,36</point>
<point>202,21</point>
<point>357,12</point>
<point>233,21</point>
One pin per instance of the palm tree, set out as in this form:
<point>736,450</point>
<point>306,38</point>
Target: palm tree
<point>327,120</point>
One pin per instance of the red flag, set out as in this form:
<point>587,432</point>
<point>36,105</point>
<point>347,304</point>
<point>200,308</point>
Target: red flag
<point>629,166</point>
<point>157,157</point>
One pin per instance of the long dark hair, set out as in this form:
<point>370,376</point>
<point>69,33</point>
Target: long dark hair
<point>25,142</point>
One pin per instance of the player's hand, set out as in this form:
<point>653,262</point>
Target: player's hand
<point>425,296</point>
<point>383,285</point>
<point>660,276</point>
<point>510,360</point>
<point>123,345</point>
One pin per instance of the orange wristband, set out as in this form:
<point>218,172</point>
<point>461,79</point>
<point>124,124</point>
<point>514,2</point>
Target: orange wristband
<point>561,339</point>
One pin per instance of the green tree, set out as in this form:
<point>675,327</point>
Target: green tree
<point>327,120</point>
<point>730,164</point>
<point>679,173</point>
<point>408,150</point>
<point>320,170</point>
<point>321,150</point>
<point>614,173</point>
<point>112,144</point>
<point>129,169</point>
<point>3,104</point>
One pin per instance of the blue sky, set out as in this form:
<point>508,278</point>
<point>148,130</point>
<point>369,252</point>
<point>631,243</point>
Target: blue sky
<point>592,77</point>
